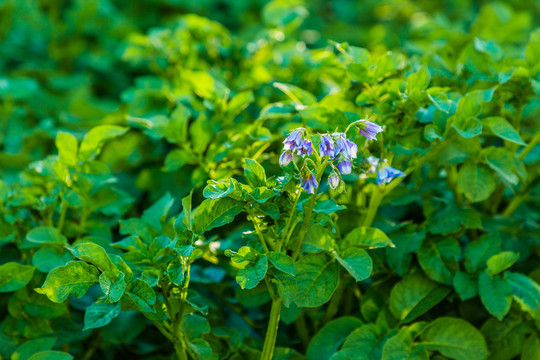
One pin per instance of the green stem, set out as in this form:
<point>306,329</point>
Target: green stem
<point>63,211</point>
<point>307,214</point>
<point>374,204</point>
<point>529,147</point>
<point>289,220</point>
<point>271,332</point>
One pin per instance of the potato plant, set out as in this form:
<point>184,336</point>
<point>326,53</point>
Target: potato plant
<point>269,180</point>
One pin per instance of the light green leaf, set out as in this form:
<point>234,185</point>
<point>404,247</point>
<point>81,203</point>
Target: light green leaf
<point>414,295</point>
<point>157,213</point>
<point>496,295</point>
<point>467,127</point>
<point>73,278</point>
<point>367,237</point>
<point>51,355</point>
<point>501,261</point>
<point>475,181</point>
<point>531,348</point>
<point>282,262</point>
<point>317,278</point>
<point>26,350</point>
<point>503,163</point>
<point>356,261</point>
<point>100,314</point>
<point>142,295</point>
<point>45,235</point>
<point>94,139</point>
<point>112,285</point>
<point>418,81</point>
<point>296,94</point>
<point>15,276</point>
<point>502,128</point>
<point>177,158</point>
<point>455,338</point>
<point>441,101</point>
<point>479,251</point>
<point>67,147</point>
<point>186,208</point>
<point>526,292</point>
<point>215,213</point>
<point>328,340</point>
<point>94,254</point>
<point>255,173</point>
<point>253,273</point>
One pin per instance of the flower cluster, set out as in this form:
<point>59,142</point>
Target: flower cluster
<point>334,148</point>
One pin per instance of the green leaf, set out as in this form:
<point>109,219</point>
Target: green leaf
<point>94,254</point>
<point>415,295</point>
<point>356,261</point>
<point>400,256</point>
<point>142,295</point>
<point>177,158</point>
<point>282,262</point>
<point>199,349</point>
<point>467,127</point>
<point>15,276</point>
<point>215,213</point>
<point>49,257</point>
<point>296,94</point>
<point>100,314</point>
<point>418,81</point>
<point>94,139</point>
<point>475,181</point>
<point>441,101</point>
<point>328,340</point>
<point>455,338</point>
<point>73,278</point>
<point>112,285</point>
<point>67,147</point>
<point>51,355</point>
<point>157,213</point>
<point>367,237</point>
<point>194,326</point>
<point>466,285</point>
<point>327,207</point>
<point>531,348</point>
<point>18,88</point>
<point>360,344</point>
<point>253,273</point>
<point>502,128</point>
<point>438,259</point>
<point>255,173</point>
<point>26,350</point>
<point>479,251</point>
<point>496,295</point>
<point>503,163</point>
<point>526,292</point>
<point>45,235</point>
<point>501,261</point>
<point>317,278</point>
<point>186,209</point>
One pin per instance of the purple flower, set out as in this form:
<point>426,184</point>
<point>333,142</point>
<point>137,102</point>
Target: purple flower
<point>326,147</point>
<point>285,158</point>
<point>305,148</point>
<point>345,167</point>
<point>345,147</point>
<point>387,174</point>
<point>369,129</point>
<point>310,184</point>
<point>333,180</point>
<point>293,140</point>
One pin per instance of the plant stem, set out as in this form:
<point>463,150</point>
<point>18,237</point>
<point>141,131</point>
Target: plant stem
<point>271,331</point>
<point>63,210</point>
<point>374,204</point>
